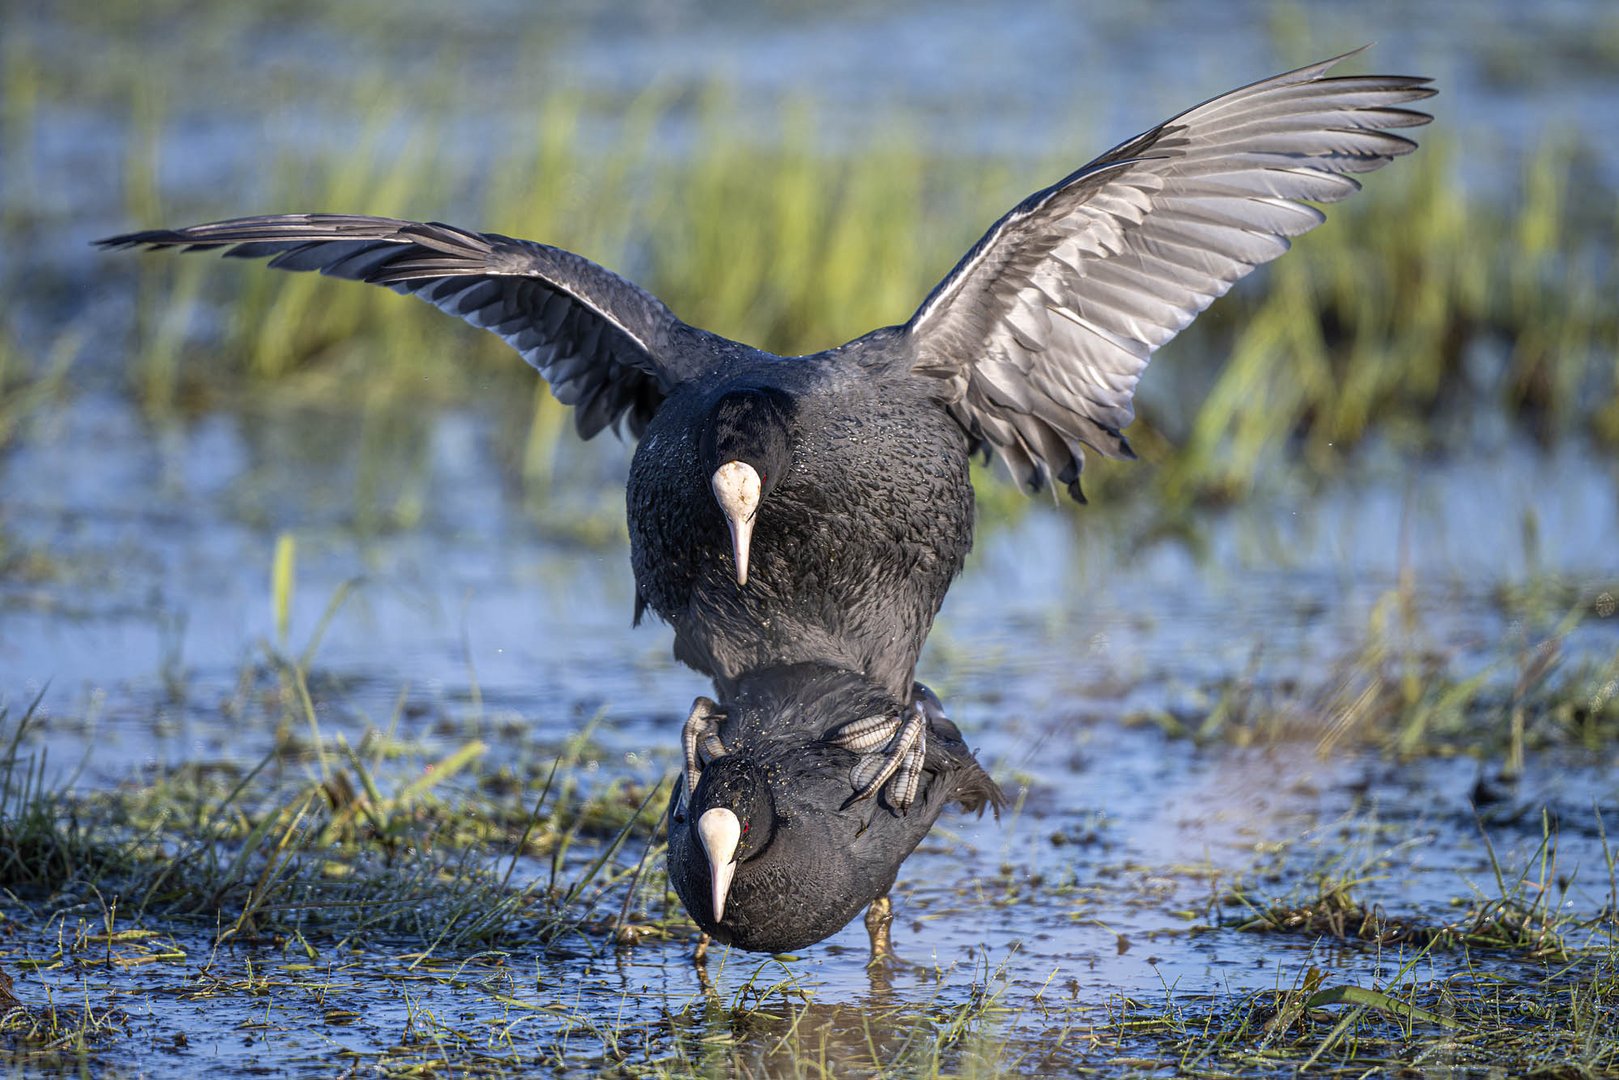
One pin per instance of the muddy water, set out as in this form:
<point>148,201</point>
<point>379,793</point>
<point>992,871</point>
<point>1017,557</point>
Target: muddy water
<point>147,594</point>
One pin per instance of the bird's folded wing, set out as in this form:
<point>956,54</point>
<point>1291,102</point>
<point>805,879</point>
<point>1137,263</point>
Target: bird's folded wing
<point>603,343</point>
<point>1041,332</point>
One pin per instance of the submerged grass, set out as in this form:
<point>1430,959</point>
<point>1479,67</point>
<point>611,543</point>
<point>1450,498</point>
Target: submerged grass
<point>282,851</point>
<point>1561,1024</point>
<point>395,897</point>
<point>1527,912</point>
<point>1533,978</point>
<point>1412,695</point>
<point>400,926</point>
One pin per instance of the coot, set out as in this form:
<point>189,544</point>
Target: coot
<point>816,508</point>
<point>770,846</point>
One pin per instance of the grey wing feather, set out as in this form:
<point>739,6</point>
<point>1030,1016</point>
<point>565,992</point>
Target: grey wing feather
<point>1041,332</point>
<point>608,348</point>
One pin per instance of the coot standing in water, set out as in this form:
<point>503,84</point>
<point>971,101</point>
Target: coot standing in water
<point>771,846</point>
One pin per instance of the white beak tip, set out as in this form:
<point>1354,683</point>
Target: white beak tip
<point>738,488</point>
<point>720,832</point>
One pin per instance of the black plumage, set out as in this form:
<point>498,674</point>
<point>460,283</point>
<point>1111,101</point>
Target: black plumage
<point>865,519</point>
<point>808,857</point>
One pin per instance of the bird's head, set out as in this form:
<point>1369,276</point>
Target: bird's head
<point>746,450</point>
<point>733,817</point>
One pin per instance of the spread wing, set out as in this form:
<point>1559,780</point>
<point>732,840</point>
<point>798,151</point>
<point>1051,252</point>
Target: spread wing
<point>1041,332</point>
<point>608,348</point>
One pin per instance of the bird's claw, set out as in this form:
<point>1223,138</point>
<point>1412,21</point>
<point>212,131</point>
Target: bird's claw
<point>700,742</point>
<point>902,741</point>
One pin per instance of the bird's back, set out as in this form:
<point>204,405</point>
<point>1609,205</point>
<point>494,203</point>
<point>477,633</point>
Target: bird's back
<point>852,551</point>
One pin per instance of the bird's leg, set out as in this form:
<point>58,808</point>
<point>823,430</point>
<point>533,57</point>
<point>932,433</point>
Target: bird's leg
<point>903,740</point>
<point>879,919</point>
<point>699,962</point>
<point>700,741</point>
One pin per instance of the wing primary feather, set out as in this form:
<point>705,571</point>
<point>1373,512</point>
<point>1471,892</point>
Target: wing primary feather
<point>1040,333</point>
<point>609,347</point>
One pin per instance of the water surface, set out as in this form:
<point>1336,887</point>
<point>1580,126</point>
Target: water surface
<point>1113,874</point>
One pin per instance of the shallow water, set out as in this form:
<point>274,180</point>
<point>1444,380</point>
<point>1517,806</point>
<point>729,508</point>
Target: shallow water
<point>135,592</point>
<point>1110,877</point>
<point>154,547</point>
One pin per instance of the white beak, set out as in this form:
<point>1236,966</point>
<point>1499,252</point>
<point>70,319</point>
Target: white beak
<point>737,489</point>
<point>720,832</point>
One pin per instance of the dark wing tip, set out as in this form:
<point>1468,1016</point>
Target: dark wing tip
<point>150,239</point>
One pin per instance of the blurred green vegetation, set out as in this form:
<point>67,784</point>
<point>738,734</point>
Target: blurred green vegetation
<point>1420,303</point>
<point>1415,300</point>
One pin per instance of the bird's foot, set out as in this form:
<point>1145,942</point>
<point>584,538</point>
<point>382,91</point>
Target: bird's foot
<point>884,961</point>
<point>699,963</point>
<point>902,742</point>
<point>700,741</point>
<point>879,920</point>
